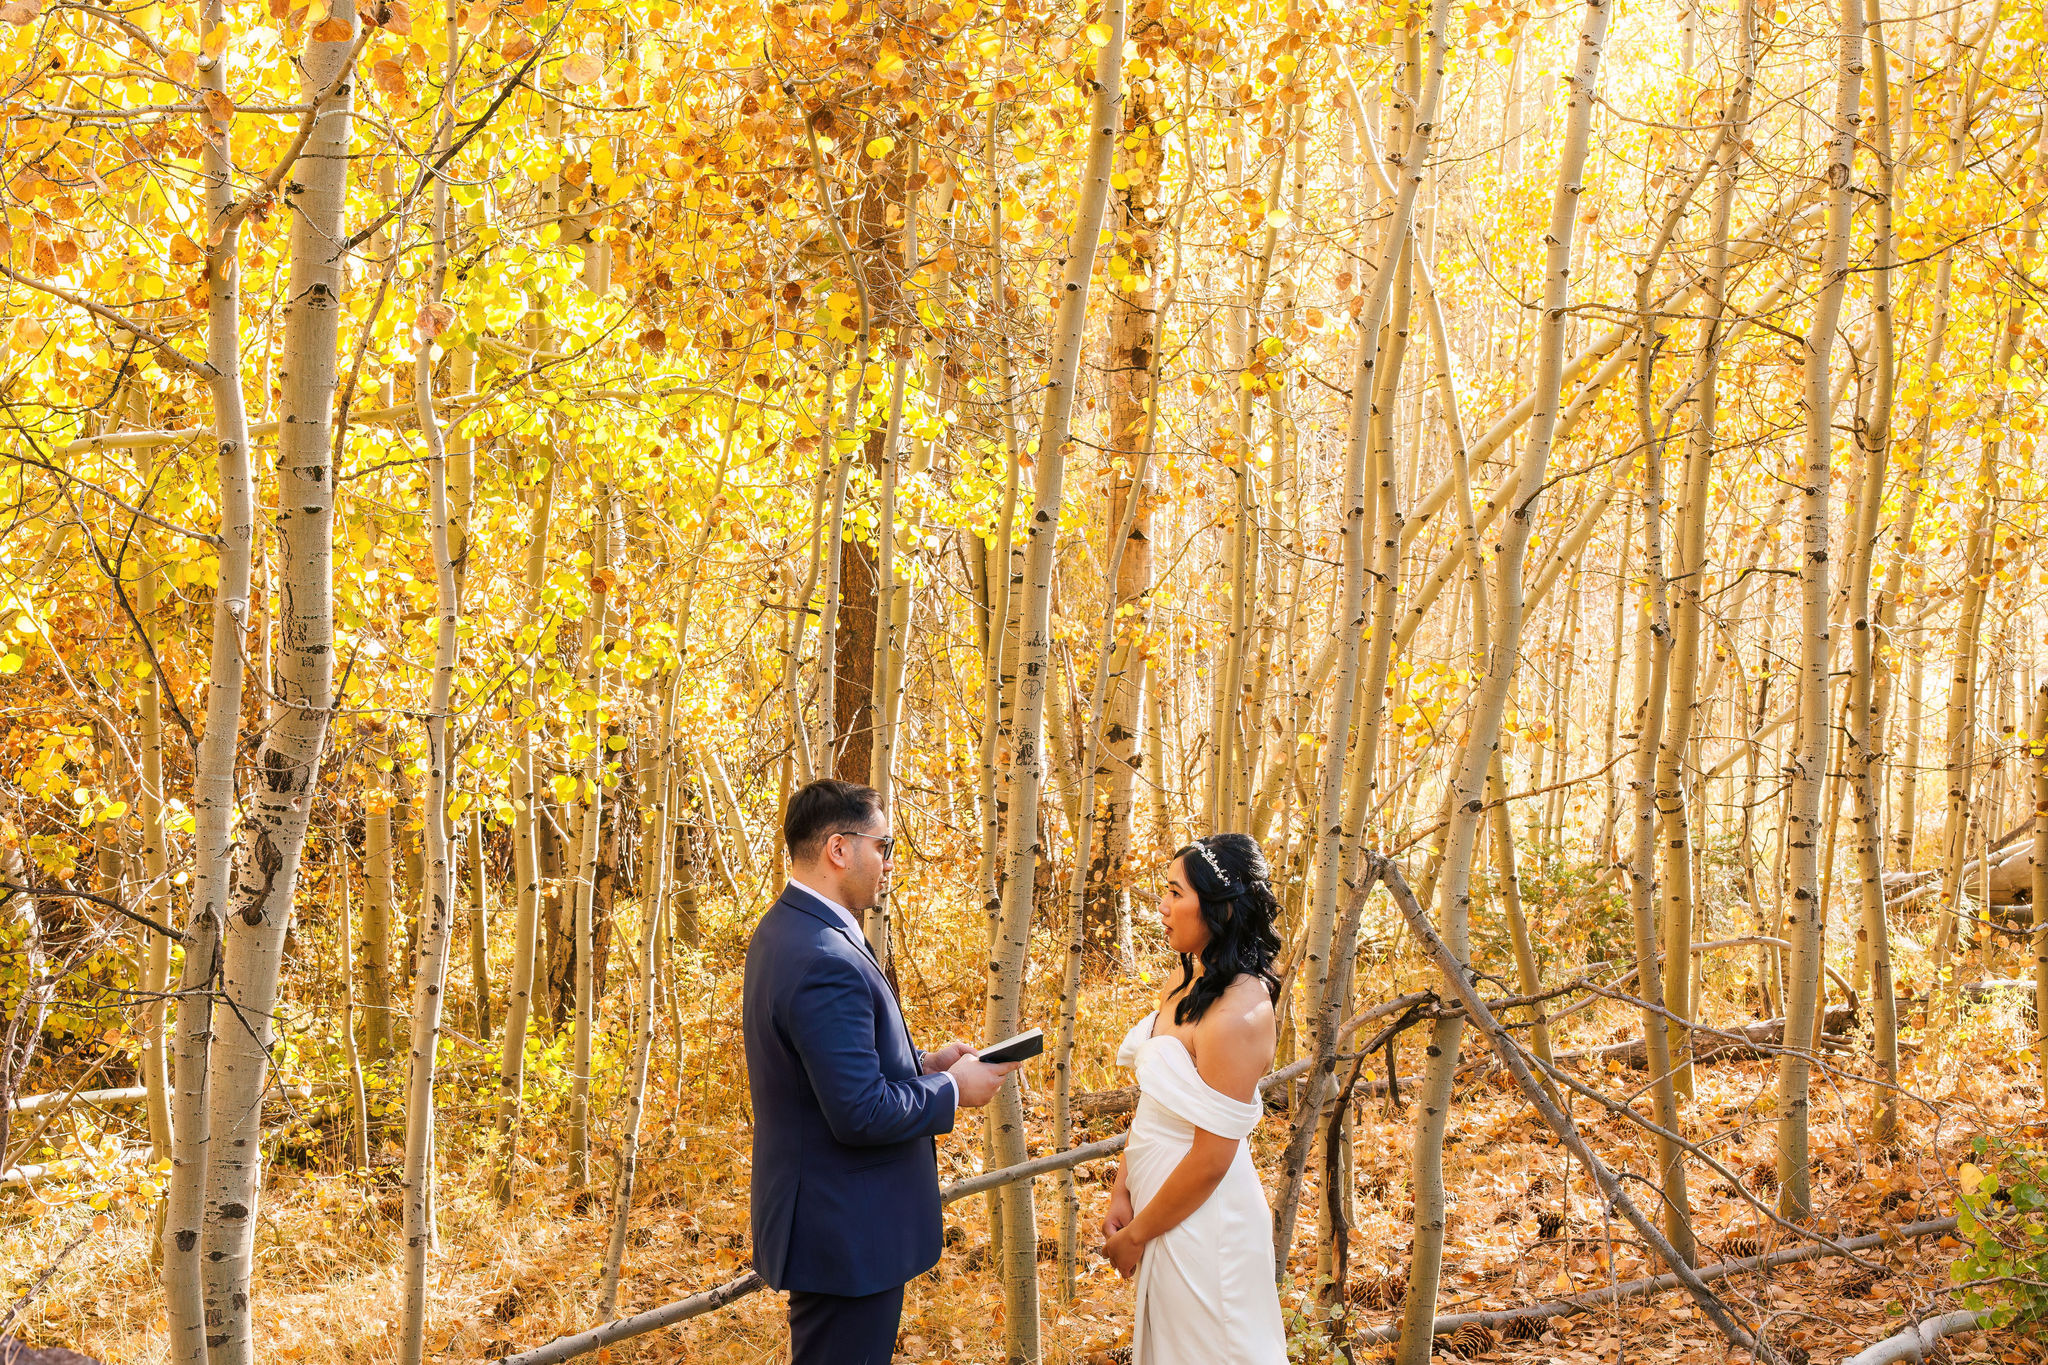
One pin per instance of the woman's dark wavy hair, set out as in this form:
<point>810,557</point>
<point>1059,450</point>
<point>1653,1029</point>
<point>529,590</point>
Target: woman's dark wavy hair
<point>1239,906</point>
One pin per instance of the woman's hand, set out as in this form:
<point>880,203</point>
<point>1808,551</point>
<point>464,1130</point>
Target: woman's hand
<point>1124,1251</point>
<point>1120,1213</point>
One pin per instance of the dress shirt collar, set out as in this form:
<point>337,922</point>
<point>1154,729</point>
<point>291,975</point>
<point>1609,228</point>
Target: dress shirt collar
<point>846,916</point>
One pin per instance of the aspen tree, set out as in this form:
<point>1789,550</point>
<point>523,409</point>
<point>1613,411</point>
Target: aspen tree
<point>437,907</point>
<point>608,540</point>
<point>155,900</point>
<point>1347,629</point>
<point>280,803</point>
<point>526,820</point>
<point>1803,802</point>
<point>654,873</point>
<point>380,899</point>
<point>359,1105</point>
<point>2037,754</point>
<point>213,776</point>
<point>1689,566</point>
<point>1418,1312</point>
<point>1860,738</point>
<point>1963,653</point>
<point>1019,1249</point>
<point>1084,869</point>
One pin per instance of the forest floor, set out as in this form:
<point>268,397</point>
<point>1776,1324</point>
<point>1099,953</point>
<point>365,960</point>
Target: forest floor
<point>509,1279</point>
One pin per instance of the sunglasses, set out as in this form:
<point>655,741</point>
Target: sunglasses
<point>887,842</point>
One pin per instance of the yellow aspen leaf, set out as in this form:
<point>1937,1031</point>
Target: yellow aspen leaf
<point>889,65</point>
<point>881,147</point>
<point>334,29</point>
<point>216,41</point>
<point>1098,34</point>
<point>582,69</point>
<point>218,106</point>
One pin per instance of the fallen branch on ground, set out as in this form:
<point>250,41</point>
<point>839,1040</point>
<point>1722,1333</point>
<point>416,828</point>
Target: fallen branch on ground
<point>1658,1284</point>
<point>1916,1341</point>
<point>696,1305</point>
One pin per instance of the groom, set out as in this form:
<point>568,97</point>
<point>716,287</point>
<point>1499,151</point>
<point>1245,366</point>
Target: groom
<point>846,1180</point>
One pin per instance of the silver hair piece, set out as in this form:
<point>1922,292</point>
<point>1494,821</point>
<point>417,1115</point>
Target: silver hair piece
<point>1202,847</point>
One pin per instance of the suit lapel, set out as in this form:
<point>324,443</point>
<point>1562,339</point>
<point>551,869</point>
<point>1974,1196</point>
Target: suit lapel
<point>818,910</point>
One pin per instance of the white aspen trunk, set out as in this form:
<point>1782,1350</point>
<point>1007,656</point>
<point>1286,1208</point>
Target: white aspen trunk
<point>280,804</point>
<point>1685,714</point>
<point>1083,871</point>
<point>1349,623</point>
<point>155,898</point>
<point>1866,775</point>
<point>213,775</point>
<point>653,893</point>
<point>479,921</point>
<point>437,908</point>
<point>1418,1312</point>
<point>608,531</point>
<point>1386,560</point>
<point>379,904</point>
<point>525,857</point>
<point>1953,830</point>
<point>2037,753</point>
<point>359,1104</point>
<point>1019,1248</point>
<point>1653,686</point>
<point>1803,802</point>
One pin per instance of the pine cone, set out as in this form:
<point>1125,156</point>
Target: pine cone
<point>1471,1341</point>
<point>1522,1329</point>
<point>1048,1248</point>
<point>1893,1198</point>
<point>1859,1285</point>
<point>1763,1177</point>
<point>1380,1292</point>
<point>1741,1248</point>
<point>1549,1224</point>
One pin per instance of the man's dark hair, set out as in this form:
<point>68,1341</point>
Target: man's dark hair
<point>821,809</point>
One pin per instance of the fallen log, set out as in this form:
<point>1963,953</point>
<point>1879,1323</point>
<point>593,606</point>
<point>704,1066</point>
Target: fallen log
<point>1658,1284</point>
<point>68,1166</point>
<point>35,1104</point>
<point>1916,1341</point>
<point>696,1305</point>
<point>1765,1033</point>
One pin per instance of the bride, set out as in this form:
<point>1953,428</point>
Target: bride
<point>1188,1214</point>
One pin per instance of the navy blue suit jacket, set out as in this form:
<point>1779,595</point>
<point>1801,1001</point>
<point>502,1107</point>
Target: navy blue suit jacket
<point>846,1177</point>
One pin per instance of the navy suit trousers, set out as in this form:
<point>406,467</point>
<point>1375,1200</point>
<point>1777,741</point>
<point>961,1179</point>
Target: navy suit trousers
<point>830,1329</point>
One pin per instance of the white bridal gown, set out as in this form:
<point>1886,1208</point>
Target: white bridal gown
<point>1205,1290</point>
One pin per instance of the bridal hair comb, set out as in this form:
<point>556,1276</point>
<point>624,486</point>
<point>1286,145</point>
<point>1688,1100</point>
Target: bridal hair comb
<point>1201,846</point>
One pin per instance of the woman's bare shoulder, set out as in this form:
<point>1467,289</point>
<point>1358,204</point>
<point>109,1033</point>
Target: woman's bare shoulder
<point>1243,1015</point>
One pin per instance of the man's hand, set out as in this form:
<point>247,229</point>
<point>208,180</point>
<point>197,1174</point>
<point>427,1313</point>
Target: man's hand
<point>942,1059</point>
<point>978,1080</point>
